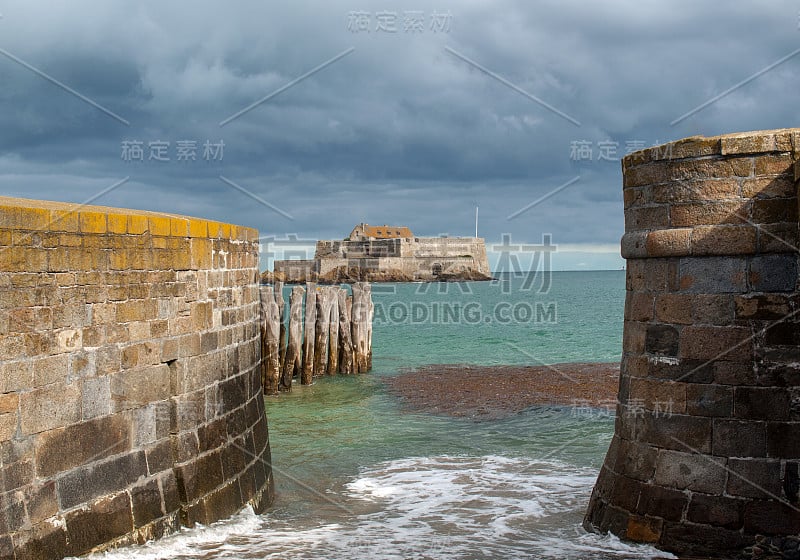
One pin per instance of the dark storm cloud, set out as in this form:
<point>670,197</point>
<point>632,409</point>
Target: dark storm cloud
<point>400,129</point>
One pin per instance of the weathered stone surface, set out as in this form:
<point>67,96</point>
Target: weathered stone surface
<point>634,244</point>
<point>675,308</point>
<point>659,396</point>
<point>64,448</point>
<point>782,438</point>
<point>659,501</point>
<point>773,273</point>
<point>754,478</point>
<point>662,340</point>
<point>102,314</point>
<point>771,518</point>
<point>41,541</point>
<point>713,275</point>
<point>716,343</point>
<point>643,529</point>
<point>762,403</point>
<point>739,438</point>
<point>97,479</point>
<point>678,431</point>
<point>723,240</point>
<point>726,472</point>
<point>709,400</point>
<point>105,519</point>
<point>159,457</point>
<point>49,407</point>
<point>41,502</point>
<point>146,503</point>
<point>688,471</point>
<point>696,191</point>
<point>639,306</point>
<point>199,477</point>
<point>647,217</point>
<point>707,213</point>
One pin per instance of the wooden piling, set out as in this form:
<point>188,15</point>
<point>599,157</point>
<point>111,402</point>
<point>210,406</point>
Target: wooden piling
<point>270,350</point>
<point>282,310</point>
<point>293,359</point>
<point>333,333</point>
<point>369,321</point>
<point>359,331</point>
<point>308,336</point>
<point>322,331</point>
<point>345,337</point>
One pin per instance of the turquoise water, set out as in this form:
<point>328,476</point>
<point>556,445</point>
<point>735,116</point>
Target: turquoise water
<point>573,317</point>
<point>357,476</point>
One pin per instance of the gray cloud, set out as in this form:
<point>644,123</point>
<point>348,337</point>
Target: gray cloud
<point>400,130</point>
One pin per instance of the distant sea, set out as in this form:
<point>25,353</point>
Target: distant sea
<point>359,477</point>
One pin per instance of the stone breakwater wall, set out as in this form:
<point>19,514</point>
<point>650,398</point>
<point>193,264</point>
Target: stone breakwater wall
<point>130,395</point>
<point>706,450</point>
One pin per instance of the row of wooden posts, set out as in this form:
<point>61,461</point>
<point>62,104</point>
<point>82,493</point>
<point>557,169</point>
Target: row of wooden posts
<point>329,333</point>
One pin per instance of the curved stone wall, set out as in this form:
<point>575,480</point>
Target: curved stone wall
<point>707,442</point>
<point>130,397</point>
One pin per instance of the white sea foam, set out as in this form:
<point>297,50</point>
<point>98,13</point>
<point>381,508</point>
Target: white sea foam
<point>422,508</point>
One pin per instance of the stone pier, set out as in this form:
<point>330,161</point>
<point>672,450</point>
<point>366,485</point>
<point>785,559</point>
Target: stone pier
<point>706,449</point>
<point>130,391</point>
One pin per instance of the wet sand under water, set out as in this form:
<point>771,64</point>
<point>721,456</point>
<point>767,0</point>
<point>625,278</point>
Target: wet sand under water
<point>494,392</point>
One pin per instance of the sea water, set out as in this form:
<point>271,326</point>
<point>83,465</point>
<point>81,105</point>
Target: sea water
<point>358,476</point>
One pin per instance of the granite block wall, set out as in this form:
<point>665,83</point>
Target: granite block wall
<point>707,443</point>
<point>130,397</point>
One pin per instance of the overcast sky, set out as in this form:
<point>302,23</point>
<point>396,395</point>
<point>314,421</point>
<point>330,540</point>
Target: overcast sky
<point>408,113</point>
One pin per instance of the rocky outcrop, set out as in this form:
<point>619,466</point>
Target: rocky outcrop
<point>270,277</point>
<point>349,275</point>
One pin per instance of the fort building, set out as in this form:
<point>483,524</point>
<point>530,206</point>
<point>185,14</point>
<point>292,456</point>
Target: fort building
<point>390,254</point>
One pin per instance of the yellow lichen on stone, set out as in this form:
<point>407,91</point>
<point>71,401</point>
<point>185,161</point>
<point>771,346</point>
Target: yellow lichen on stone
<point>201,253</point>
<point>159,225</point>
<point>137,225</point>
<point>64,220</point>
<point>24,218</point>
<point>93,222</point>
<point>213,229</point>
<point>117,223</point>
<point>198,228</point>
<point>179,227</point>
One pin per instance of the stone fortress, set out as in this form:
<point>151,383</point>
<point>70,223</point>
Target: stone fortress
<point>705,459</point>
<point>390,254</point>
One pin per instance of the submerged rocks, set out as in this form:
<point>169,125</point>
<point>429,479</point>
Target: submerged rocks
<point>493,392</point>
